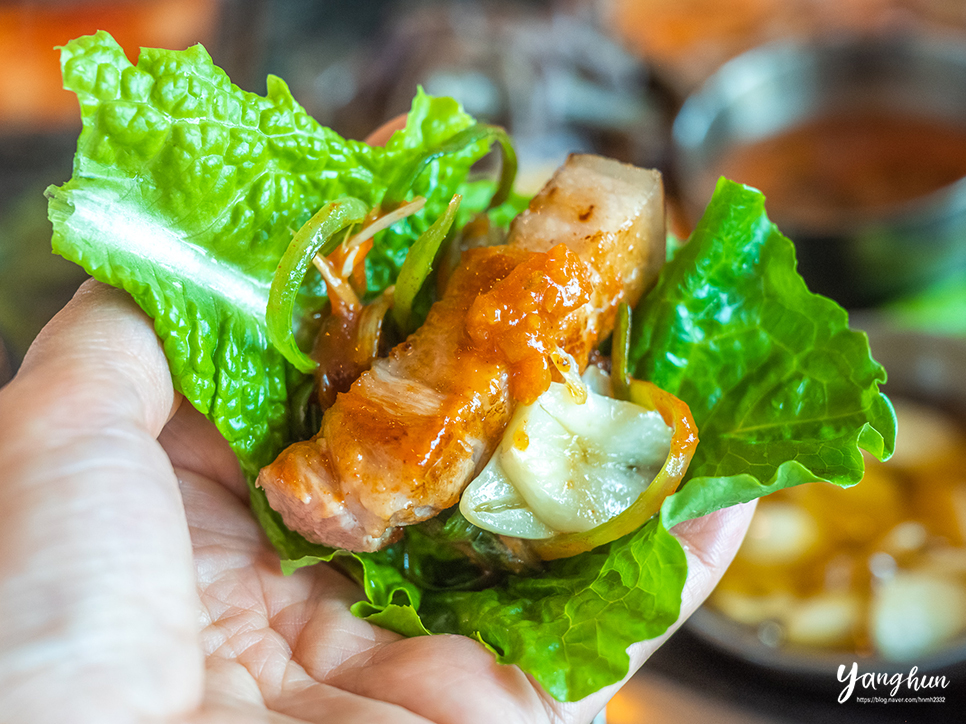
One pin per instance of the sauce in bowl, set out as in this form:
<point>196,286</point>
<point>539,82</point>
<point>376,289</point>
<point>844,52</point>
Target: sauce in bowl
<point>831,169</point>
<point>859,145</point>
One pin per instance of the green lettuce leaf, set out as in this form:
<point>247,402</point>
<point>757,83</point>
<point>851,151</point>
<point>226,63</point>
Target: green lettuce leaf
<point>782,391</point>
<point>186,191</point>
<point>570,626</point>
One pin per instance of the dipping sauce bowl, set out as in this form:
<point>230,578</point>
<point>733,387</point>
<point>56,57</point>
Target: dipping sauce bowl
<point>860,148</point>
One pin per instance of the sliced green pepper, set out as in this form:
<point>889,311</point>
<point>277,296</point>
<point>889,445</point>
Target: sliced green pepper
<point>317,236</point>
<point>419,263</point>
<point>467,137</point>
<point>620,347</point>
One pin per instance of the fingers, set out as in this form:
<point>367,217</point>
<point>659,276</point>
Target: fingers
<point>710,543</point>
<point>193,443</point>
<point>381,135</point>
<point>100,356</point>
<point>97,593</point>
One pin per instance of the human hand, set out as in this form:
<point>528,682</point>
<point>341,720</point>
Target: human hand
<point>135,584</point>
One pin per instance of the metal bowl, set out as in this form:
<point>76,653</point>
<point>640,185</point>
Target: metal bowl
<point>921,367</point>
<point>864,260</point>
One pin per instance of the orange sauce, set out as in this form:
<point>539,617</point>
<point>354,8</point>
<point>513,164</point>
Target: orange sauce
<point>520,318</point>
<point>835,168</point>
<point>440,356</point>
<point>450,381</point>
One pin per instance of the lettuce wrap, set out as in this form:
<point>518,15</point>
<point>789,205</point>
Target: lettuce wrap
<point>186,191</point>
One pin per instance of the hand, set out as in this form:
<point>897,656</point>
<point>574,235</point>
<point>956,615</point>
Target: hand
<point>135,584</point>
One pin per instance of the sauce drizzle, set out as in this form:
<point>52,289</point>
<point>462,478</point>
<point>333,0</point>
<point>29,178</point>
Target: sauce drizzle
<point>525,316</point>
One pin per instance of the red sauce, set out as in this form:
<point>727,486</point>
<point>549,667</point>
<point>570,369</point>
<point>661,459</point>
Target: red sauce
<point>522,317</point>
<point>831,169</point>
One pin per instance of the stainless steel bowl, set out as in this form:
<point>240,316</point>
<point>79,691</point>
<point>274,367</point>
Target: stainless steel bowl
<point>773,88</point>
<point>921,367</point>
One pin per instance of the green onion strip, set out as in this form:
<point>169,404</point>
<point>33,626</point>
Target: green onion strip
<point>467,137</point>
<point>317,236</point>
<point>419,263</point>
<point>620,349</point>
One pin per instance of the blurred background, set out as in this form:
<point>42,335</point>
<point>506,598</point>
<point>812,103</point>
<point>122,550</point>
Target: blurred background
<point>849,114</point>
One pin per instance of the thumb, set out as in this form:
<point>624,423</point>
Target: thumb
<point>97,592</point>
<point>100,350</point>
